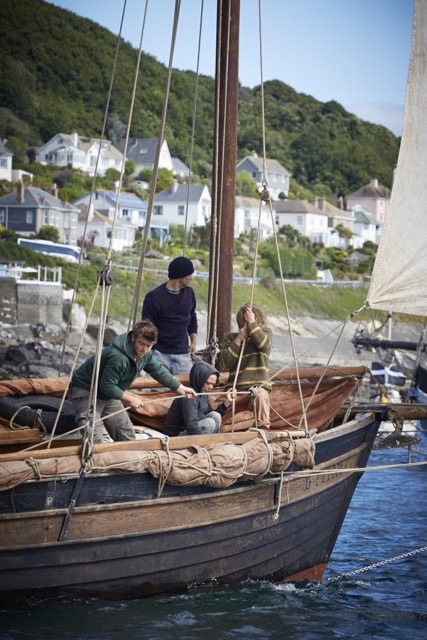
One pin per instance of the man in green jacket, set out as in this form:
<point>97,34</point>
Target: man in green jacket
<point>121,363</point>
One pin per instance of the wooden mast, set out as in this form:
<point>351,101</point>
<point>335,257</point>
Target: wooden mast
<point>224,169</point>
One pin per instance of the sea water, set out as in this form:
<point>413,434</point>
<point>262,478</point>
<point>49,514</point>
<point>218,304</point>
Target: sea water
<point>385,522</point>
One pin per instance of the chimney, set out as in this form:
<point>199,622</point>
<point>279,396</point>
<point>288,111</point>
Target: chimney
<point>321,204</point>
<point>74,138</point>
<point>20,192</point>
<point>340,203</point>
<point>54,190</point>
<point>175,186</point>
<point>374,183</point>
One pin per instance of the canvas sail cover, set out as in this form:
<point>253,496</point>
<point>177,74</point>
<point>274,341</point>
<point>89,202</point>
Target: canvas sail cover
<point>399,278</point>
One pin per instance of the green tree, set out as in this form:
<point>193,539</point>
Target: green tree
<point>48,233</point>
<point>245,185</point>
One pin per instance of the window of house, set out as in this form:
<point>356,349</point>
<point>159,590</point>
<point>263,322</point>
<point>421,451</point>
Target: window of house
<point>299,220</point>
<point>29,216</point>
<point>45,216</point>
<point>3,163</point>
<point>126,213</point>
<point>158,210</point>
<point>181,209</point>
<point>92,161</point>
<point>2,215</point>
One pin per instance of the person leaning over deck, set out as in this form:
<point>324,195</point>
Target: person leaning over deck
<point>253,369</point>
<point>121,363</point>
<point>171,307</point>
<point>196,415</point>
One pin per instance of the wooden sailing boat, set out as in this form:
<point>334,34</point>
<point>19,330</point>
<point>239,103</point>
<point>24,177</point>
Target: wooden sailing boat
<point>130,521</point>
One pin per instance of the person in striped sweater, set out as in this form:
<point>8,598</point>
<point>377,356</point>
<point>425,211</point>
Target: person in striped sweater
<point>252,374</point>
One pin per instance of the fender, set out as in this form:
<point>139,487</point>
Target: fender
<point>39,405</point>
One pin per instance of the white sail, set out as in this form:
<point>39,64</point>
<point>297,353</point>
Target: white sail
<point>399,278</point>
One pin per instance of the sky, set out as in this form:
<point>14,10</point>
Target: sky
<point>353,51</point>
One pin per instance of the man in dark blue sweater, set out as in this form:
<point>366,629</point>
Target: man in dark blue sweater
<point>171,307</point>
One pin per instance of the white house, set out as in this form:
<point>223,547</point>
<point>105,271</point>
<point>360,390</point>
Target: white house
<point>130,208</point>
<point>366,226</point>
<point>337,216</point>
<point>247,213</point>
<point>96,228</point>
<point>171,205</point>
<point>310,221</point>
<point>5,162</point>
<point>277,176</point>
<point>80,153</point>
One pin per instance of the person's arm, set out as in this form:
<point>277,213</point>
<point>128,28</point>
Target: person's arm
<point>230,351</point>
<point>190,415</point>
<point>193,343</point>
<point>188,392</point>
<point>261,339</point>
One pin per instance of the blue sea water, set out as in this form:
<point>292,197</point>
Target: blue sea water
<point>386,520</point>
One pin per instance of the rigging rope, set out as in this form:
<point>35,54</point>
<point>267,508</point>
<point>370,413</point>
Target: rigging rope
<point>160,138</point>
<point>196,89</point>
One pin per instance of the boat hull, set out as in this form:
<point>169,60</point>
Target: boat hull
<point>121,541</point>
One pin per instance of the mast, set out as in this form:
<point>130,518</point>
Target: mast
<point>224,169</point>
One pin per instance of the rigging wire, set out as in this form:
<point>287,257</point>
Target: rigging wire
<point>160,138</point>
<point>196,89</point>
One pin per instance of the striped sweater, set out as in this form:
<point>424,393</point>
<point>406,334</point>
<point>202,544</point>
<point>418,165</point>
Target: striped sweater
<point>253,370</point>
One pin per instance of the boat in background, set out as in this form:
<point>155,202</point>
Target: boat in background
<point>156,515</point>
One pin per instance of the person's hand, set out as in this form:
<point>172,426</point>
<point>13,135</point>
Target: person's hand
<point>249,315</point>
<point>132,400</point>
<point>241,336</point>
<point>188,392</point>
<point>231,395</point>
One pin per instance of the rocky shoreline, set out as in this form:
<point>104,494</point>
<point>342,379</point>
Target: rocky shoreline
<point>38,351</point>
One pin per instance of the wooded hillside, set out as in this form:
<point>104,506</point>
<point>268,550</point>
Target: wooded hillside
<point>55,74</point>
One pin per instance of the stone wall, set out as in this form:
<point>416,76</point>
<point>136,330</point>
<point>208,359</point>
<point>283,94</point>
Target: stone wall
<point>26,301</point>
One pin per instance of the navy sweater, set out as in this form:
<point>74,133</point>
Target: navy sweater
<point>174,315</point>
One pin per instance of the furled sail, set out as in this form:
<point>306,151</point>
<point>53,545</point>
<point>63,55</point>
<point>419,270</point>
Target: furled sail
<point>399,278</point>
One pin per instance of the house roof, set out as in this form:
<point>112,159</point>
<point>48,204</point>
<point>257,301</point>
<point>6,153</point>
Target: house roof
<point>244,201</point>
<point>178,193</point>
<point>127,200</point>
<point>364,217</point>
<point>296,206</point>
<point>272,166</point>
<point>372,190</point>
<point>179,166</point>
<point>35,197</point>
<point>84,143</point>
<point>140,150</point>
<point>4,150</point>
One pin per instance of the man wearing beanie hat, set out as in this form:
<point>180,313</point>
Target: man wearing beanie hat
<point>171,307</point>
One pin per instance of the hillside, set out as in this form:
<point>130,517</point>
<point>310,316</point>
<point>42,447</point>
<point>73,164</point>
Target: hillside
<point>55,75</point>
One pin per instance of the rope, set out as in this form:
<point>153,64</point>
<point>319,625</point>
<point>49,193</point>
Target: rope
<point>152,193</point>
<point>196,90</point>
<point>378,564</point>
<point>95,175</point>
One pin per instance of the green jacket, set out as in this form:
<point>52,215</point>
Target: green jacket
<point>118,369</point>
